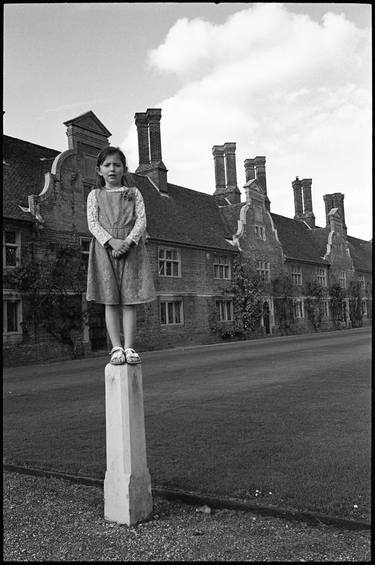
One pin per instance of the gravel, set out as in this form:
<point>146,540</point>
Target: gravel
<point>48,519</point>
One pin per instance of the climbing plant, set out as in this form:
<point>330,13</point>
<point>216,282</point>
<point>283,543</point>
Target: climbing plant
<point>338,309</point>
<point>355,304</point>
<point>248,289</point>
<point>314,303</point>
<point>53,286</point>
<point>283,291</point>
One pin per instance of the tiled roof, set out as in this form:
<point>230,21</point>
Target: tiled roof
<point>184,216</point>
<point>361,253</point>
<point>298,241</point>
<point>231,215</point>
<point>24,166</point>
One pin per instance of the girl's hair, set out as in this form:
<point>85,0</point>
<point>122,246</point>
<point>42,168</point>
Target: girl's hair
<point>100,182</point>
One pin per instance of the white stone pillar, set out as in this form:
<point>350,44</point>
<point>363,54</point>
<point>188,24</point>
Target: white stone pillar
<point>127,483</point>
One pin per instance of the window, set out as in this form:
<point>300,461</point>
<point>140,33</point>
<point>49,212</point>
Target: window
<point>263,270</point>
<point>342,279</point>
<point>85,245</point>
<point>225,310</point>
<point>260,232</point>
<point>297,276</point>
<point>171,312</point>
<point>11,248</point>
<point>298,308</point>
<point>361,280</point>
<point>222,267</point>
<point>12,316</point>
<point>321,276</point>
<point>169,262</point>
<point>325,309</point>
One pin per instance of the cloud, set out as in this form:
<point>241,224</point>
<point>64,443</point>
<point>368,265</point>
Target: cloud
<point>83,104</point>
<point>278,84</point>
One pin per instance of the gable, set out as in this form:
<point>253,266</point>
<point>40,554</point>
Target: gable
<point>89,122</point>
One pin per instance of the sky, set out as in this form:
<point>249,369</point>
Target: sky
<point>288,81</point>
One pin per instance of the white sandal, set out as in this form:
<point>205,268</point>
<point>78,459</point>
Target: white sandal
<point>131,356</point>
<point>117,356</point>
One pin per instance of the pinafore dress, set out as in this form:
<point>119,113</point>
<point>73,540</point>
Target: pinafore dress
<point>126,280</point>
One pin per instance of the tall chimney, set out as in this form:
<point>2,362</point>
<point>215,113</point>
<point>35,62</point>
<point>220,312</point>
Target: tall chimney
<point>231,189</point>
<point>141,122</point>
<point>297,191</point>
<point>260,168</point>
<point>218,153</point>
<point>328,201</point>
<point>308,214</point>
<point>149,147</point>
<point>154,116</point>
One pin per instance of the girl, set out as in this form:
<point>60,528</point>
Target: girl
<point>119,273</point>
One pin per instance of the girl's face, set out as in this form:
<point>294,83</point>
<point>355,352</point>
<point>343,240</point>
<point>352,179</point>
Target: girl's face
<point>112,170</point>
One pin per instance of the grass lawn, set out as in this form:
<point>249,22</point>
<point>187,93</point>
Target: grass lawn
<point>299,442</point>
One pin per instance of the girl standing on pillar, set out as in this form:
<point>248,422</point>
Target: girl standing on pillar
<point>119,273</point>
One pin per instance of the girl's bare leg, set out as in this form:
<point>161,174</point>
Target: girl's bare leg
<point>129,320</point>
<point>112,320</point>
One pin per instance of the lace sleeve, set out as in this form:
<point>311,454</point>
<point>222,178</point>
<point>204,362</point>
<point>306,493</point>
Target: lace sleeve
<point>93,219</point>
<point>140,222</point>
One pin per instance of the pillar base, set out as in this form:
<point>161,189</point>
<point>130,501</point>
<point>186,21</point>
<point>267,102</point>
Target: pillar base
<point>127,499</point>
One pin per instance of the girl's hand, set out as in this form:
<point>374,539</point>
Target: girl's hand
<point>119,247</point>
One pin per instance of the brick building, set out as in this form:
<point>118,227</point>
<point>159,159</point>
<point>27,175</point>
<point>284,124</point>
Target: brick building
<point>194,239</point>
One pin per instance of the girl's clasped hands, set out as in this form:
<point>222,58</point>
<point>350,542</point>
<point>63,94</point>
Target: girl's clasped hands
<point>119,247</point>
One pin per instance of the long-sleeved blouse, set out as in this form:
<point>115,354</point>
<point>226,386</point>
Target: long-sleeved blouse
<point>100,233</point>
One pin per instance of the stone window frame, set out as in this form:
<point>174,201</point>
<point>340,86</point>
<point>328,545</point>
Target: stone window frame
<point>225,310</point>
<point>170,311</point>
<point>173,262</point>
<point>361,280</point>
<point>222,265</point>
<point>296,273</point>
<point>299,308</point>
<point>321,276</point>
<point>12,245</point>
<point>260,232</point>
<point>263,270</point>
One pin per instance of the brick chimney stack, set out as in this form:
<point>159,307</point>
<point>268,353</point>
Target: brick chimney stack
<point>260,170</point>
<point>335,200</point>
<point>149,148</point>
<point>226,173</point>
<point>143,142</point>
<point>308,214</point>
<point>218,153</point>
<point>298,204</point>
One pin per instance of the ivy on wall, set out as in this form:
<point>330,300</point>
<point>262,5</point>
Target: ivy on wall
<point>53,286</point>
<point>314,302</point>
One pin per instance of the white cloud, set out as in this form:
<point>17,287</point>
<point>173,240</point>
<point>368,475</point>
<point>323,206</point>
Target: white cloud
<point>279,85</point>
